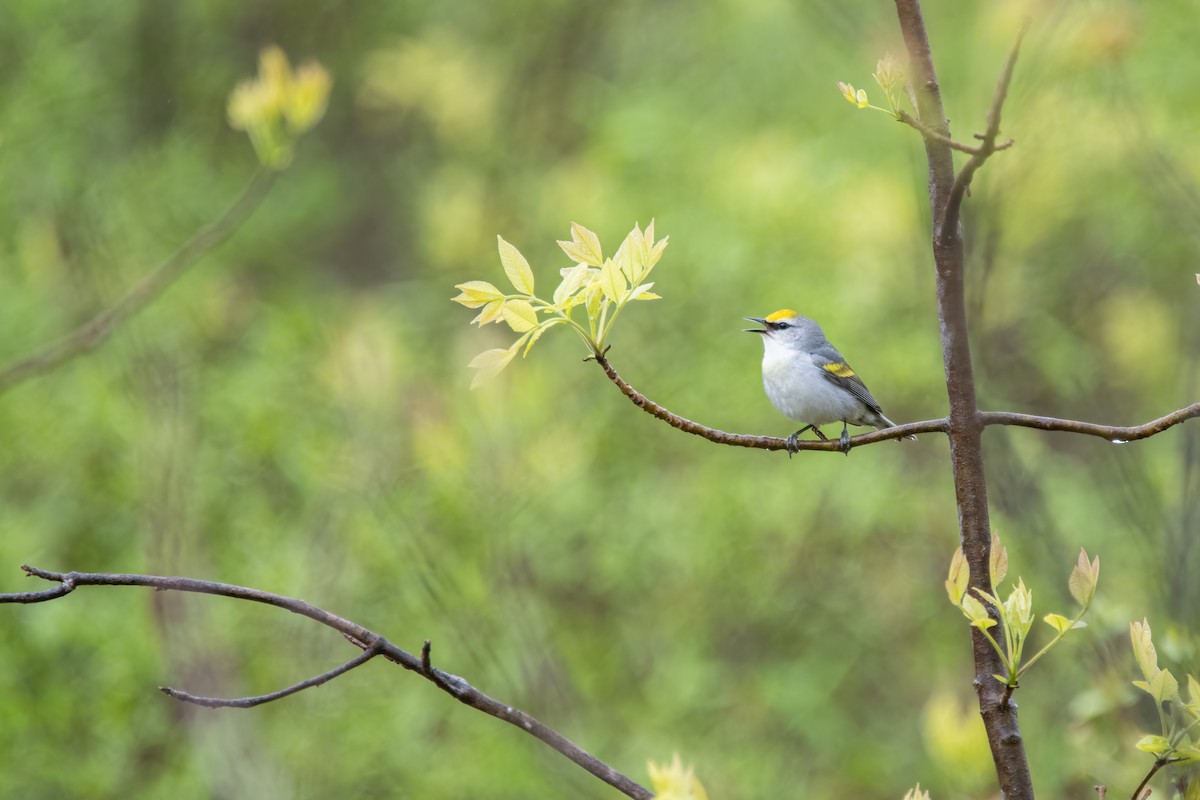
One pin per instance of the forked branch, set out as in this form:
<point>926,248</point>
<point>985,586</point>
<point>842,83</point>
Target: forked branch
<point>371,643</point>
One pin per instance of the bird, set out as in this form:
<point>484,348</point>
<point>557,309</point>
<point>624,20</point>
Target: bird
<point>809,381</point>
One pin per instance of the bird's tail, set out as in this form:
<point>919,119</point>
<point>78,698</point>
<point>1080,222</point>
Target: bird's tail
<point>884,422</point>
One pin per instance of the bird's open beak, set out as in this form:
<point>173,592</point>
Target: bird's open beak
<point>763,330</point>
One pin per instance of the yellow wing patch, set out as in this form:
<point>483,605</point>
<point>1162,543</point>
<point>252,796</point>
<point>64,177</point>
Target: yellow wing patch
<point>782,313</point>
<point>840,369</point>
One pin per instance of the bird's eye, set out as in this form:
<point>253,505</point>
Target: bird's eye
<point>782,325</point>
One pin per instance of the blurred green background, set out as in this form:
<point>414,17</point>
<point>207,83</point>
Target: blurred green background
<point>294,414</point>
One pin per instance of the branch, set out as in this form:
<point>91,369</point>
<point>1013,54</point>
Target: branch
<point>761,442</point>
<point>250,702</point>
<point>1137,793</point>
<point>1115,434</point>
<point>946,192</point>
<point>931,134</point>
<point>373,644</point>
<point>962,181</point>
<point>93,333</point>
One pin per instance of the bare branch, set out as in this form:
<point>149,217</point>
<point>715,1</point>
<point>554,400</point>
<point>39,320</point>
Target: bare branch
<point>987,146</point>
<point>93,333</point>
<point>760,442</point>
<point>453,685</point>
<point>931,134</point>
<point>1142,791</point>
<point>1116,434</point>
<point>251,702</point>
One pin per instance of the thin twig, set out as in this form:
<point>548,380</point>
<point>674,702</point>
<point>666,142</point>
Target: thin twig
<point>251,702</point>
<point>1137,793</point>
<point>1116,434</point>
<point>987,146</point>
<point>760,442</point>
<point>930,133</point>
<point>93,333</point>
<point>453,685</point>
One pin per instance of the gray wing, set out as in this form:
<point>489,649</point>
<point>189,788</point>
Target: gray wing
<point>837,371</point>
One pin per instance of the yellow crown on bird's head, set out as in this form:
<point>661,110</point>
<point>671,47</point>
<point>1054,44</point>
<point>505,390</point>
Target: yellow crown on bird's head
<point>782,313</point>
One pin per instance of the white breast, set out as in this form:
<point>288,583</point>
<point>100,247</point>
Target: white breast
<point>798,388</point>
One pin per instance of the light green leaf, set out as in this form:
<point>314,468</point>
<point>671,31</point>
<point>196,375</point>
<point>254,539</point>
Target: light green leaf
<point>1084,577</point>
<point>1189,752</point>
<point>520,316</point>
<point>998,564</point>
<point>492,312</point>
<point>958,578</point>
<point>515,267</point>
<point>595,298</point>
<point>586,244</point>
<point>612,281</point>
<point>656,253</point>
<point>1143,648</point>
<point>490,363</point>
<point>1164,687</point>
<point>1003,679</point>
<point>983,624</point>
<point>974,610</point>
<point>1145,687</point>
<point>1058,622</point>
<point>539,330</point>
<point>477,293</point>
<point>573,280</point>
<point>1157,745</point>
<point>643,293</point>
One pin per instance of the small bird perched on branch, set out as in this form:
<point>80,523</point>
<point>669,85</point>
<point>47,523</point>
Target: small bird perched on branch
<point>809,381</point>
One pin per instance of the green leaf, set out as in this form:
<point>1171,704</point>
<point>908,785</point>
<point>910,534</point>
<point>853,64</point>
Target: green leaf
<point>998,563</point>
<point>612,281</point>
<point>1058,622</point>
<point>643,293</point>
<point>1143,648</point>
<point>958,578</point>
<point>584,247</point>
<point>477,293</point>
<point>595,298</point>
<point>492,312</point>
<point>1157,745</point>
<point>539,330</point>
<point>490,363</point>
<point>1189,752</point>
<point>974,609</point>
<point>1164,687</point>
<point>520,316</point>
<point>515,267</point>
<point>1084,577</point>
<point>1003,679</point>
<point>574,278</point>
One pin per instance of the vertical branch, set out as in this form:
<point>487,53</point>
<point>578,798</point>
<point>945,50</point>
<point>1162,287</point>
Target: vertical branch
<point>966,452</point>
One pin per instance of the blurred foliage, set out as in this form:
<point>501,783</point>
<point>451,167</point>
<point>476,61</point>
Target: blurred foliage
<point>294,415</point>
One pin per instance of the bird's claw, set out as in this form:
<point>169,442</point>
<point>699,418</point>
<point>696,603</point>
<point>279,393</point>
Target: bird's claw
<point>844,441</point>
<point>792,444</point>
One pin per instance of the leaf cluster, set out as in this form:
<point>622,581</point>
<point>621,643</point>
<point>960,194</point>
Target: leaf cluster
<point>279,105</point>
<point>1178,718</point>
<point>601,286</point>
<point>1015,615</point>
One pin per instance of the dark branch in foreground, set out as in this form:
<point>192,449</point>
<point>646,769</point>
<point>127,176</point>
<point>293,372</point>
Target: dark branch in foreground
<point>93,333</point>
<point>759,442</point>
<point>372,643</point>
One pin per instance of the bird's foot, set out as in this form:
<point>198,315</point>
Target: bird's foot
<point>792,444</point>
<point>844,440</point>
